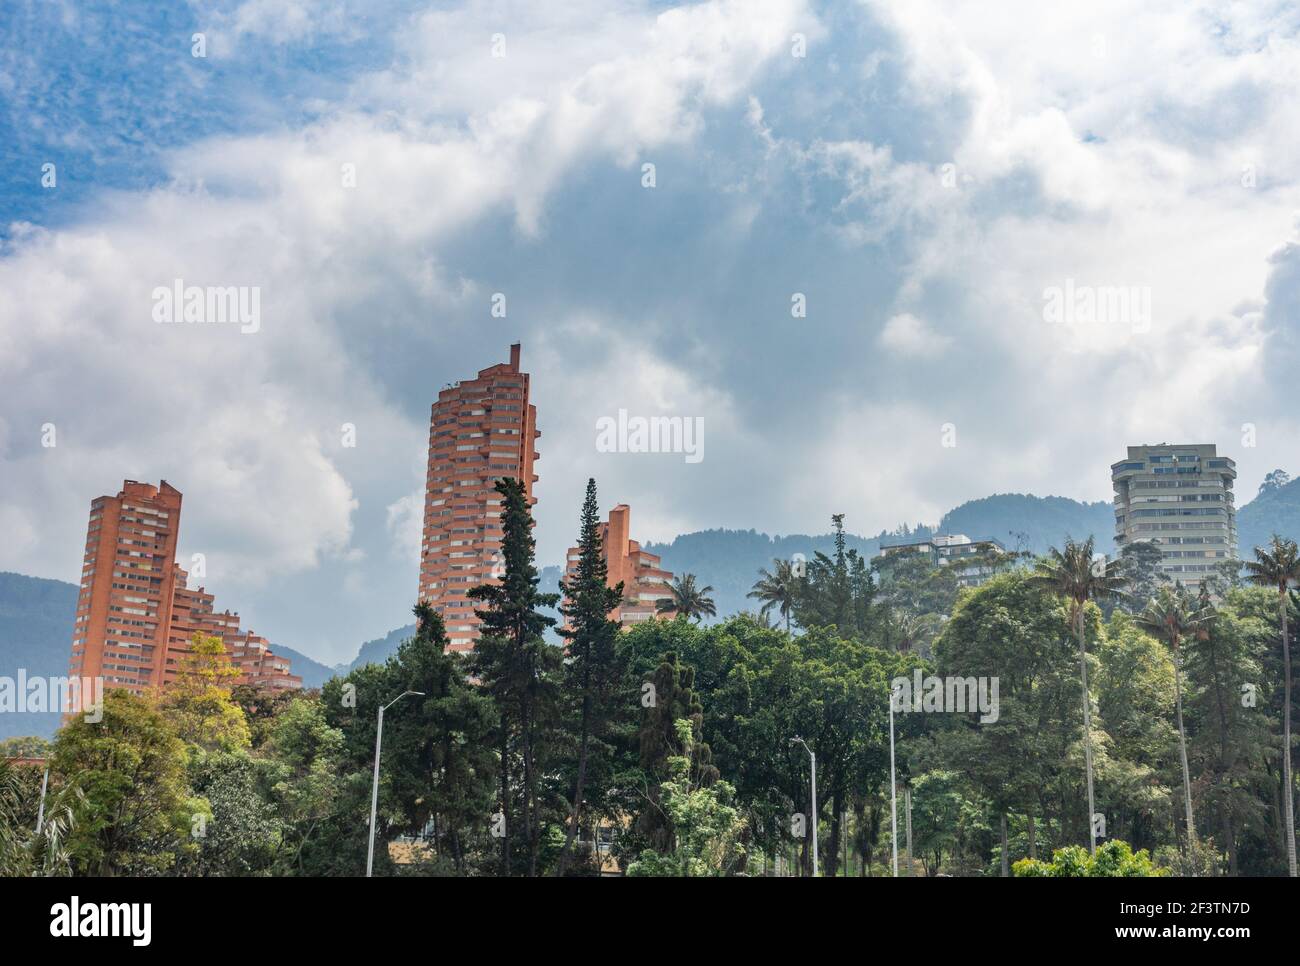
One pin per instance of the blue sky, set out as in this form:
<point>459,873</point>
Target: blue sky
<point>921,176</point>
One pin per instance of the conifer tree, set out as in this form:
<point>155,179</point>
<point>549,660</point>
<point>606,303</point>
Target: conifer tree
<point>593,670</point>
<point>515,665</point>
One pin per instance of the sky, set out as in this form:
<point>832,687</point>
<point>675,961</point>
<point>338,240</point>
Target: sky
<point>841,262</point>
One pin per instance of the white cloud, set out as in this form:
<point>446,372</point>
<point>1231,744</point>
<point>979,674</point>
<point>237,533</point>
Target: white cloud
<point>910,336</point>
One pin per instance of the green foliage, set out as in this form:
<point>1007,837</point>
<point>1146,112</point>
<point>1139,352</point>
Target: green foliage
<point>136,813</point>
<point>837,590</point>
<point>241,831</point>
<point>520,672</point>
<point>1114,859</point>
<point>25,850</point>
<point>199,705</point>
<point>705,825</point>
<point>687,600</point>
<point>595,670</point>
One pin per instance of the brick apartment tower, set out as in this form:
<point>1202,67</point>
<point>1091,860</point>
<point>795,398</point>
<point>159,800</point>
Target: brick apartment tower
<point>645,582</point>
<point>127,586</point>
<point>480,431</point>
<point>136,614</point>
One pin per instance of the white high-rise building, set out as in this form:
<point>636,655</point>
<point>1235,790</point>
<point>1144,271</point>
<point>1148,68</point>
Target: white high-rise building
<point>1178,497</point>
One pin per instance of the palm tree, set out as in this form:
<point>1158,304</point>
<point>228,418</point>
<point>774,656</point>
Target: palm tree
<point>1278,565</point>
<point>777,590</point>
<point>1170,616</point>
<point>911,629</point>
<point>687,600</point>
<point>25,851</point>
<point>1071,573</point>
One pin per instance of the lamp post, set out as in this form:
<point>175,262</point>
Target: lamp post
<point>893,786</point>
<point>813,759</point>
<point>374,790</point>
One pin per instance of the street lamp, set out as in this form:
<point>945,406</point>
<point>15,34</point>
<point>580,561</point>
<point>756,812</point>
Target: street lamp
<point>374,791</point>
<point>813,758</point>
<point>893,787</point>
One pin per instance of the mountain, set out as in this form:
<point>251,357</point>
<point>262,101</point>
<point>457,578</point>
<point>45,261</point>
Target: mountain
<point>36,636</point>
<point>729,560</point>
<point>377,651</point>
<point>1020,521</point>
<point>1275,509</point>
<point>313,673</point>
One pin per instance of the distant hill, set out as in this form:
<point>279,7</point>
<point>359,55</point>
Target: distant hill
<point>313,673</point>
<point>1020,521</point>
<point>729,560</point>
<point>35,634</point>
<point>1275,509</point>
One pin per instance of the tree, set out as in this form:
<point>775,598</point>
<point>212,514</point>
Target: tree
<point>515,665</point>
<point>706,826</point>
<point>1234,753</point>
<point>320,803</point>
<point>672,699</point>
<point>1170,617</point>
<point>199,703</point>
<point>25,850</point>
<point>686,600</point>
<point>1009,629</point>
<point>240,832</point>
<point>439,762</point>
<point>593,670</point>
<point>1278,565</point>
<point>1113,859</point>
<point>135,814</point>
<point>909,632</point>
<point>1140,567</point>
<point>777,589</point>
<point>838,591</point>
<point>1073,575</point>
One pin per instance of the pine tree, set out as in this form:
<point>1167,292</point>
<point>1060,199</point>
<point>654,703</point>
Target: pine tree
<point>514,663</point>
<point>593,670</point>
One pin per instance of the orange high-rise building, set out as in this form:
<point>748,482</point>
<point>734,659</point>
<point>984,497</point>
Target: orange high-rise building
<point>136,614</point>
<point>127,585</point>
<point>645,582</point>
<point>481,430</point>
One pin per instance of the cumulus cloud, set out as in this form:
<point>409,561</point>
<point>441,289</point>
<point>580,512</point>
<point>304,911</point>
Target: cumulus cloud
<point>908,335</point>
<point>922,176</point>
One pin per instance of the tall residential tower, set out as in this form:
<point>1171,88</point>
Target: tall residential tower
<point>481,430</point>
<point>1180,499</point>
<point>136,615</point>
<point>127,585</point>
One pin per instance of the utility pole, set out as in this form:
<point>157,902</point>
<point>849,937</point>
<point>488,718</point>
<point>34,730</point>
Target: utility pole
<point>813,759</point>
<point>40,813</point>
<point>907,800</point>
<point>893,788</point>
